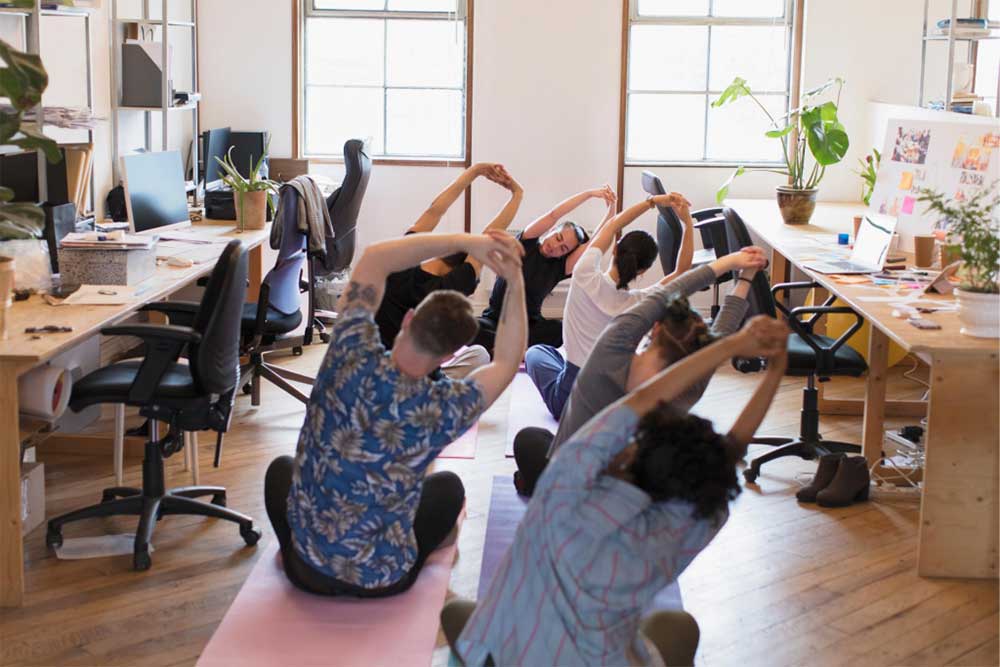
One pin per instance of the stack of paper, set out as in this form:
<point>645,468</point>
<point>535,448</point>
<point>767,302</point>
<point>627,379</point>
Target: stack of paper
<point>112,241</point>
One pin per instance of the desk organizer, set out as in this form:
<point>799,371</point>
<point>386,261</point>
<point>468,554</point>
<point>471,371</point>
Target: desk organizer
<point>85,266</point>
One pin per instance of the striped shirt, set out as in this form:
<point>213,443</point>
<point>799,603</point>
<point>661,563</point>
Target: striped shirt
<point>590,554</point>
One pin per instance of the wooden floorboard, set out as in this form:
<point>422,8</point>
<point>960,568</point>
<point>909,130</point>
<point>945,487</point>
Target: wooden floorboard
<point>782,584</point>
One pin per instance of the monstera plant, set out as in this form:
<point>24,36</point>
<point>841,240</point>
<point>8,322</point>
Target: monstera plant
<point>812,130</point>
<point>22,81</point>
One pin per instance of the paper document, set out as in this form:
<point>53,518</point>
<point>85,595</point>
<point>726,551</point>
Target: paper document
<point>101,295</point>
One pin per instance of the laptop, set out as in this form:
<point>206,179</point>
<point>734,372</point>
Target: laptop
<point>870,248</point>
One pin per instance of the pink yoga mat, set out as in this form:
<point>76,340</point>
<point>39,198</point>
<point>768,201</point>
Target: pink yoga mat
<point>273,623</point>
<point>464,447</point>
<point>506,511</point>
<point>526,409</point>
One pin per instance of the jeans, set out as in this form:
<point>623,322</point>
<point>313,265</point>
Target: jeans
<point>552,374</point>
<point>441,503</point>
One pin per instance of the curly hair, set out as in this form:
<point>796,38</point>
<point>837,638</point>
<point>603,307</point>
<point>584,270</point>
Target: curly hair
<point>682,330</point>
<point>681,457</point>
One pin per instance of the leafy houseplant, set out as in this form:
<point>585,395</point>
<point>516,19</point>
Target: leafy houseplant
<point>869,174</point>
<point>252,194</point>
<point>814,125</point>
<point>971,226</point>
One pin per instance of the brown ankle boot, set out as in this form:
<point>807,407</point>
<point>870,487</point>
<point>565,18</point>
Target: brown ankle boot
<point>849,485</point>
<point>825,472</point>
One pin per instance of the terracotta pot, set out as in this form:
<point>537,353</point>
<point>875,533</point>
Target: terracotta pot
<point>979,314</point>
<point>251,209</point>
<point>6,291</point>
<point>796,205</point>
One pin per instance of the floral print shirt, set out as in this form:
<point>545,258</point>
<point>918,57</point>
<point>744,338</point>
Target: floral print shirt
<point>369,434</point>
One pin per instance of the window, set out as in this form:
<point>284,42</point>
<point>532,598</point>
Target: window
<point>681,55</point>
<point>390,72</point>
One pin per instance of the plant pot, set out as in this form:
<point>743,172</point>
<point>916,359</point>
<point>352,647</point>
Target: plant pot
<point>796,205</point>
<point>979,313</point>
<point>6,291</point>
<point>251,209</point>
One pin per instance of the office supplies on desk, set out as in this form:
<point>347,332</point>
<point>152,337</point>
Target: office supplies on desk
<point>44,392</point>
<point>111,266</point>
<point>870,248</point>
<point>155,195</point>
<point>116,240</point>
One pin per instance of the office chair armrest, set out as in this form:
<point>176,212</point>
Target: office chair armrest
<point>258,327</point>
<point>162,347</point>
<point>180,313</point>
<point>787,288</point>
<point>818,311</point>
<point>155,332</point>
<point>706,213</point>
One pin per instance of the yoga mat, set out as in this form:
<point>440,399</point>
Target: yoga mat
<point>526,409</point>
<point>464,447</point>
<point>506,511</point>
<point>273,623</point>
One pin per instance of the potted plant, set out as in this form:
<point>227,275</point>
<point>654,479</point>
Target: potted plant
<point>971,225</point>
<point>22,224</point>
<point>869,174</point>
<point>814,125</point>
<point>252,195</point>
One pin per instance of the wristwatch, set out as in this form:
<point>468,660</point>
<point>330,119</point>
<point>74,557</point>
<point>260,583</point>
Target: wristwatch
<point>649,200</point>
<point>744,279</point>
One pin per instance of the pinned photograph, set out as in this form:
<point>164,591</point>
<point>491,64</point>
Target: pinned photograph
<point>911,145</point>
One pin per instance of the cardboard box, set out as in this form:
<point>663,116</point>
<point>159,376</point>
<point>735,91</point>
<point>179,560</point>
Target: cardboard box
<point>32,496</point>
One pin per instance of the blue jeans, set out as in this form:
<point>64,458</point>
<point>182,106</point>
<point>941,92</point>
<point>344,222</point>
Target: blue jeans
<point>552,374</point>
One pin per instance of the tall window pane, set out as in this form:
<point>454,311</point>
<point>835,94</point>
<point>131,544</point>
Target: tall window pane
<point>424,122</point>
<point>758,54</point>
<point>671,125</point>
<point>668,57</point>
<point>346,52</point>
<point>673,7</point>
<point>425,53</point>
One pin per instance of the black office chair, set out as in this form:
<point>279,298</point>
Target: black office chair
<point>344,205</point>
<point>195,396</point>
<point>811,355</point>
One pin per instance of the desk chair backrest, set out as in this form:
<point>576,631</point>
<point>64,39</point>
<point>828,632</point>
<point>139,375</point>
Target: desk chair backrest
<point>344,205</point>
<point>283,281</point>
<point>669,229</point>
<point>738,236</point>
<point>215,360</point>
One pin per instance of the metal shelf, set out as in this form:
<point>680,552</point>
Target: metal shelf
<point>184,107</point>
<point>945,38</point>
<point>155,22</point>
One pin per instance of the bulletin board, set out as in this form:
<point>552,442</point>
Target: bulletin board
<point>951,157</point>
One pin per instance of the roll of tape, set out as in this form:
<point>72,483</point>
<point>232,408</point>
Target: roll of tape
<point>44,392</point>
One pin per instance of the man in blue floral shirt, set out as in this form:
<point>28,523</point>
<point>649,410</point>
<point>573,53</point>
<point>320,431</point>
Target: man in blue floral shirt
<point>353,511</point>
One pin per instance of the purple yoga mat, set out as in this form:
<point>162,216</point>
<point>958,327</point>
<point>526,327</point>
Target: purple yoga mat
<point>506,511</point>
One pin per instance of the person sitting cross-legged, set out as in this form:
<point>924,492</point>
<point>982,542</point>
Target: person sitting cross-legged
<point>623,508</point>
<point>353,512</point>
<point>596,296</point>
<point>405,289</point>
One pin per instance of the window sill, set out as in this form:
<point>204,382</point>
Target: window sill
<point>462,163</point>
<point>702,164</point>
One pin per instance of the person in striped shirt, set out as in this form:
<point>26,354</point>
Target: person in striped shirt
<point>624,506</point>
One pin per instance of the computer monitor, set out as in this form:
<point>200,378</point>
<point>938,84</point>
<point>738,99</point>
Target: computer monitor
<point>19,172</point>
<point>155,195</point>
<point>214,144</point>
<point>247,149</point>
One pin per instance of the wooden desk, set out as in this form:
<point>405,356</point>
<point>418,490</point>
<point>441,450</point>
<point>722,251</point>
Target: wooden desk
<point>959,518</point>
<point>19,354</point>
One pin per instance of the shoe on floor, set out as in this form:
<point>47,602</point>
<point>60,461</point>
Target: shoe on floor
<point>849,485</point>
<point>825,472</point>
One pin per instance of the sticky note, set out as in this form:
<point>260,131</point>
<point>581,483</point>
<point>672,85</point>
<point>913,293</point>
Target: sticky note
<point>906,181</point>
<point>908,203</point>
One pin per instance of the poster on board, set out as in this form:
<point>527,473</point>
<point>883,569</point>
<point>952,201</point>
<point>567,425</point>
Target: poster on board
<point>951,157</point>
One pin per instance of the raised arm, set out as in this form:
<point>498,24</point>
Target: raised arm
<point>367,285</point>
<point>543,224</point>
<point>506,215</point>
<point>511,338</point>
<point>428,222</point>
<point>756,408</point>
<point>605,236</point>
<point>762,336</point>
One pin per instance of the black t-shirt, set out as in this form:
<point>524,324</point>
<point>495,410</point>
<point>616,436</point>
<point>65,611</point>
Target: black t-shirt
<point>406,289</point>
<point>541,275</point>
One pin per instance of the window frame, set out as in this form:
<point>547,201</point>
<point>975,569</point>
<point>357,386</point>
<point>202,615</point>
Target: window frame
<point>305,9</point>
<point>631,17</point>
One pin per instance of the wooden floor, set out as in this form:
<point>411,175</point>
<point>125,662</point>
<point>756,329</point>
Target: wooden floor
<point>783,584</point>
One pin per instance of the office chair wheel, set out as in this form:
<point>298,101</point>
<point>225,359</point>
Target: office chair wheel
<point>247,389</point>
<point>141,561</point>
<point>250,534</point>
<point>296,351</point>
<point>219,499</point>
<point>325,337</point>
<point>53,538</point>
<point>750,475</point>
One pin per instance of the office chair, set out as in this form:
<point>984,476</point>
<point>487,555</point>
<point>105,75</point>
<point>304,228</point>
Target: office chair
<point>187,397</point>
<point>811,355</point>
<point>344,205</point>
<point>670,230</point>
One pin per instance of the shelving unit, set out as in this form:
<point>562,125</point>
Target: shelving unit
<point>33,36</point>
<point>974,8</point>
<point>164,23</point>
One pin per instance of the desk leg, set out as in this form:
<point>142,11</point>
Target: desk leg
<point>873,430</point>
<point>11,546</point>
<point>256,273</point>
<point>959,516</point>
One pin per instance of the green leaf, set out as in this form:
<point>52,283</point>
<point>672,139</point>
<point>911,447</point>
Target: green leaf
<point>737,89</point>
<point>777,134</point>
<point>723,191</point>
<point>21,221</point>
<point>32,139</point>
